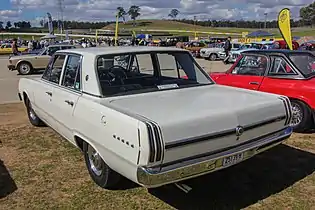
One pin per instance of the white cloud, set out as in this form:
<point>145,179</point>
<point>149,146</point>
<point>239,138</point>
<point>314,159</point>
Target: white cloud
<point>102,10</point>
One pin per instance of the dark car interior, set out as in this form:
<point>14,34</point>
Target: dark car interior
<point>121,74</point>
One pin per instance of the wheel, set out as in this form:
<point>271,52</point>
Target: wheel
<point>33,118</point>
<point>99,171</point>
<point>213,57</point>
<point>301,116</point>
<point>24,68</point>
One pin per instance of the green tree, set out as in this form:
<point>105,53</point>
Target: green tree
<point>121,13</point>
<point>307,14</point>
<point>173,14</point>
<point>134,12</point>
<point>9,25</point>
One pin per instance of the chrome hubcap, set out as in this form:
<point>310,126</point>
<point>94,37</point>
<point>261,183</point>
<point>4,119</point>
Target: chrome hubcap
<point>32,115</point>
<point>25,68</point>
<point>95,161</point>
<point>297,115</point>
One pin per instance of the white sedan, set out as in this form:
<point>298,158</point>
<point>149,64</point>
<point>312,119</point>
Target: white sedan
<point>151,114</point>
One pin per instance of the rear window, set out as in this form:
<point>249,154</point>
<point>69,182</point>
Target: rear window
<point>305,63</point>
<point>147,72</point>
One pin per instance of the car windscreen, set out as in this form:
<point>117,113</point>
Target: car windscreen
<point>133,73</point>
<point>305,63</point>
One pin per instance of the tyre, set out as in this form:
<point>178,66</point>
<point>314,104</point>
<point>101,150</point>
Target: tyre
<point>99,171</point>
<point>33,118</point>
<point>213,57</point>
<point>24,68</point>
<point>301,116</point>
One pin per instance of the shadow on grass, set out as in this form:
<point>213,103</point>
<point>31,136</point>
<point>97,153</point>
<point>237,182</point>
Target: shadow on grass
<point>244,184</point>
<point>7,184</point>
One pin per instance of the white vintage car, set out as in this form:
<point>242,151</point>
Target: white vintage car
<point>151,114</point>
<point>216,51</point>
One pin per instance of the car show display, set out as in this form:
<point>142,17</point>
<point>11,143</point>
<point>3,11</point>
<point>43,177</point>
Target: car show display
<point>284,72</point>
<point>151,114</point>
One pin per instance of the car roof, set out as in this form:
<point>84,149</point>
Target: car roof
<point>96,51</point>
<point>62,45</point>
<point>277,51</point>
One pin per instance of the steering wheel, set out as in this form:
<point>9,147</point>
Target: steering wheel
<point>117,74</point>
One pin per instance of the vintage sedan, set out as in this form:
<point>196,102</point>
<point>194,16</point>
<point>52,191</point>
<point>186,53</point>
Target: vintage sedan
<point>216,51</point>
<point>131,113</point>
<point>285,72</point>
<point>28,63</point>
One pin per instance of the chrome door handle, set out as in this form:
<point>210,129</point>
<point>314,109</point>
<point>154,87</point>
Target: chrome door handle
<point>254,83</point>
<point>49,93</point>
<point>69,102</point>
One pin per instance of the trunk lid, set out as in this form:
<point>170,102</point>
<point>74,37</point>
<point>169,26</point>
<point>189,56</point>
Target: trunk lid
<point>199,120</point>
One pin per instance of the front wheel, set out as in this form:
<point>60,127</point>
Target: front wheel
<point>33,118</point>
<point>301,116</point>
<point>24,68</point>
<point>99,171</point>
<point>213,57</point>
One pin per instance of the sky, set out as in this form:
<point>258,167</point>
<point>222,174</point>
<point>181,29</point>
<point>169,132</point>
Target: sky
<point>104,10</point>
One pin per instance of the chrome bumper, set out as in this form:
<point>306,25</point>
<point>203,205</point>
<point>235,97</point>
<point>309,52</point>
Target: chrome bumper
<point>158,176</point>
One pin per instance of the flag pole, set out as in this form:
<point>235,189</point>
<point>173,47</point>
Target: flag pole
<point>116,30</point>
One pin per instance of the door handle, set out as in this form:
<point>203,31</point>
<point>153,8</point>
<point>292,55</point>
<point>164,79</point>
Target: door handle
<point>254,83</point>
<point>49,93</point>
<point>69,102</point>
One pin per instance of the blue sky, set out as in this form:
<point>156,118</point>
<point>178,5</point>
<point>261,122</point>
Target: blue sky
<point>102,10</point>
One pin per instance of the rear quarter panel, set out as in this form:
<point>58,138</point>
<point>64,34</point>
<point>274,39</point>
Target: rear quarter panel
<point>303,90</point>
<point>113,134</point>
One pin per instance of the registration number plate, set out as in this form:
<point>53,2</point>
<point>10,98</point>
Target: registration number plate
<point>233,159</point>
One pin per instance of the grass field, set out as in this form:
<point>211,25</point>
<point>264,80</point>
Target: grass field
<point>40,170</point>
<point>173,25</point>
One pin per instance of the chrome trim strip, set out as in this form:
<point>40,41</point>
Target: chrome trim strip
<point>207,137</point>
<point>155,177</point>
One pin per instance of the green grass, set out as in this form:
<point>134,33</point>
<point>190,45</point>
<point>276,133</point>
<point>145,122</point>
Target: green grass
<point>49,173</point>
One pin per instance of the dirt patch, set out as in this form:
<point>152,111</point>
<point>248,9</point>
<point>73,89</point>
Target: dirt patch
<point>40,170</point>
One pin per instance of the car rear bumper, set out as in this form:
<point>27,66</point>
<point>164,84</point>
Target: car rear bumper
<point>158,176</point>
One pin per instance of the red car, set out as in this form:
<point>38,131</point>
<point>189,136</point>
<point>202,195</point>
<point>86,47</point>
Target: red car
<point>284,72</point>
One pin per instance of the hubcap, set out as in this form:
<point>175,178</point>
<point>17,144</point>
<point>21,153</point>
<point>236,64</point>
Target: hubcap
<point>297,115</point>
<point>25,68</point>
<point>32,114</point>
<point>95,161</point>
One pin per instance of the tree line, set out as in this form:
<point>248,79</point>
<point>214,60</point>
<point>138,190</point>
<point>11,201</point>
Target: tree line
<point>307,18</point>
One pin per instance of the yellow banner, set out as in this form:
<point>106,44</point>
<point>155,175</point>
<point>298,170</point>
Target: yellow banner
<point>284,26</point>
<point>116,29</point>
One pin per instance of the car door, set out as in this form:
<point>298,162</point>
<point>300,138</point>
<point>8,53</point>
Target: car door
<point>248,73</point>
<point>41,61</point>
<point>281,78</point>
<point>67,95</point>
<point>44,95</point>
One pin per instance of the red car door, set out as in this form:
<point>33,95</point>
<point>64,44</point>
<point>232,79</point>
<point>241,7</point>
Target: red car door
<point>280,79</point>
<point>248,72</point>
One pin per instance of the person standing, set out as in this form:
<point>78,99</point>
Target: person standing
<point>227,49</point>
<point>15,50</point>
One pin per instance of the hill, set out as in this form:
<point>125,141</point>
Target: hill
<point>176,27</point>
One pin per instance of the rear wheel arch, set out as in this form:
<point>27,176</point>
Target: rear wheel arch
<point>308,120</point>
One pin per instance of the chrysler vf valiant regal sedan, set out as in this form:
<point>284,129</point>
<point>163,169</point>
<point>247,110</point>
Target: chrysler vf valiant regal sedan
<point>133,115</point>
<point>289,73</point>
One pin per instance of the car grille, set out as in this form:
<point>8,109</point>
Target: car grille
<point>235,55</point>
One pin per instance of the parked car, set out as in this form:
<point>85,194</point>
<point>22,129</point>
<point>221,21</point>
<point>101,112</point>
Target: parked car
<point>131,113</point>
<point>310,45</point>
<point>26,64</point>
<point>285,72</point>
<point>216,51</point>
<point>195,47</point>
<point>7,48</point>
